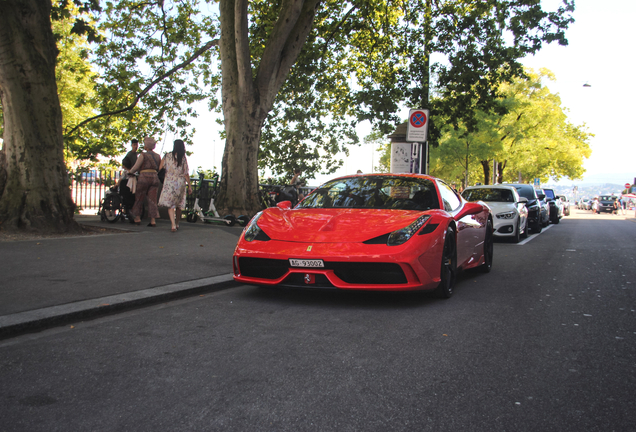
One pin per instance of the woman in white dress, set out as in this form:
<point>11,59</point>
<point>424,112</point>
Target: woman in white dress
<point>173,194</point>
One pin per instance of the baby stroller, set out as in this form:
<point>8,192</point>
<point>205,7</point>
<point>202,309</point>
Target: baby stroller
<point>117,203</point>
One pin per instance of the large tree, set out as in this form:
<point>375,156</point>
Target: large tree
<point>248,94</point>
<point>34,192</point>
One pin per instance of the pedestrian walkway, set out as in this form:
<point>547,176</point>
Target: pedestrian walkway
<point>53,281</point>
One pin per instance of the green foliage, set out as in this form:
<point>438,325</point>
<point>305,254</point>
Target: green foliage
<point>362,61</point>
<point>75,79</point>
<point>533,139</point>
<point>365,59</point>
<point>207,174</point>
<point>153,62</point>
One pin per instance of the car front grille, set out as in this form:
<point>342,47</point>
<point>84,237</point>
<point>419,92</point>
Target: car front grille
<point>362,273</point>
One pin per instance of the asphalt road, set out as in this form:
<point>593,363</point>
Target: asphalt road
<point>545,342</point>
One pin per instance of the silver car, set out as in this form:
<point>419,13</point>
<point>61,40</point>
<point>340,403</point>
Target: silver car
<point>509,209</point>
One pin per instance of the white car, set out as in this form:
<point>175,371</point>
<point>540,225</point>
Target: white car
<point>509,209</point>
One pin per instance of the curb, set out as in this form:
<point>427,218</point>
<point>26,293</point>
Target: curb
<point>41,319</point>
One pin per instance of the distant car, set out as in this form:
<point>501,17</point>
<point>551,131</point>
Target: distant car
<point>535,217</point>
<point>555,205</point>
<point>509,209</point>
<point>389,232</point>
<point>606,203</point>
<point>583,204</point>
<point>566,204</point>
<point>545,207</point>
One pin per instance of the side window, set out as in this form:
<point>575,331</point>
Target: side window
<point>451,201</point>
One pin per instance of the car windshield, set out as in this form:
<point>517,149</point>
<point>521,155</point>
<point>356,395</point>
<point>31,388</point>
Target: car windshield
<point>526,192</point>
<point>489,194</point>
<point>606,198</point>
<point>375,192</point>
<point>549,193</point>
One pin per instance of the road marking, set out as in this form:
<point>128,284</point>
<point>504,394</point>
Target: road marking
<point>530,237</point>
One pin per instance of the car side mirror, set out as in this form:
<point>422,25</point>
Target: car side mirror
<point>470,208</point>
<point>541,196</point>
<point>285,205</point>
<point>523,200</point>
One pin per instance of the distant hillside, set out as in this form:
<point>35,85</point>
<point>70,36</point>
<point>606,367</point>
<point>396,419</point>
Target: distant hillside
<point>587,190</point>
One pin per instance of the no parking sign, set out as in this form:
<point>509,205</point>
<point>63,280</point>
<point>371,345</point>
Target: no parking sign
<point>417,126</point>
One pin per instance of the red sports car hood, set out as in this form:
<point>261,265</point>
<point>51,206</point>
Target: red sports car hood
<point>333,225</point>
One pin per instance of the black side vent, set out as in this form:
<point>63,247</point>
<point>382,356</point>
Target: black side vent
<point>378,240</point>
<point>429,228</point>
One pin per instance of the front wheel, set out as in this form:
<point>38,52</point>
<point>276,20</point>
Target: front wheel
<point>111,209</point>
<point>448,274</point>
<point>231,219</point>
<point>243,220</point>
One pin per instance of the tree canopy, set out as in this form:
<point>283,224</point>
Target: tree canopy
<point>291,78</point>
<point>534,139</point>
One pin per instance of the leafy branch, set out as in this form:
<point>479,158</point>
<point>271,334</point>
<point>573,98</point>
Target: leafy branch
<point>133,104</point>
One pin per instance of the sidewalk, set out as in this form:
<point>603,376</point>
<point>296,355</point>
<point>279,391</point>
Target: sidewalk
<point>55,281</point>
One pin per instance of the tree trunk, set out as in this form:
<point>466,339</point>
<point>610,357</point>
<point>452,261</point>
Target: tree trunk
<point>247,97</point>
<point>35,193</point>
<point>500,171</point>
<point>485,164</point>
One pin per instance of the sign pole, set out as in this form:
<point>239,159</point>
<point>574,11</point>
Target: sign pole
<point>417,131</point>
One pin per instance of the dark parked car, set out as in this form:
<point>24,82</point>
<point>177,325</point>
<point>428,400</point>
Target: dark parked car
<point>606,203</point>
<point>555,205</point>
<point>535,215</point>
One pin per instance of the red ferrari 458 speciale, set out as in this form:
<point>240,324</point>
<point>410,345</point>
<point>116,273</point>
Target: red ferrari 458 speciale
<point>368,232</point>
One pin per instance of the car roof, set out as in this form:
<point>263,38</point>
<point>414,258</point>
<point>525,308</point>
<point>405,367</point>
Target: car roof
<point>497,186</point>
<point>520,185</point>
<point>411,175</point>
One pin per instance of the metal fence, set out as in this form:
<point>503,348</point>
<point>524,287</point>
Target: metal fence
<point>89,188</point>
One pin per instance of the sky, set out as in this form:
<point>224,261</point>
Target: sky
<point>601,52</point>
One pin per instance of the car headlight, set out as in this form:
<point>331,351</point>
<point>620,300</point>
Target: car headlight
<point>400,236</point>
<point>253,230</point>
<point>506,215</point>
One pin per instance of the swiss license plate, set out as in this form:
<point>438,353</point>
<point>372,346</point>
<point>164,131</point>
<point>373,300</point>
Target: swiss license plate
<point>306,263</point>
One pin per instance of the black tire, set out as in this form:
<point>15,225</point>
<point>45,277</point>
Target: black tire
<point>243,220</point>
<point>448,273</point>
<point>191,217</point>
<point>231,218</point>
<point>554,217</point>
<point>517,236</point>
<point>111,209</point>
<point>489,249</point>
<point>537,227</point>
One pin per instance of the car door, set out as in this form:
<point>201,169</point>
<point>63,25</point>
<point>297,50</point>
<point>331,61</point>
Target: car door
<point>469,228</point>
